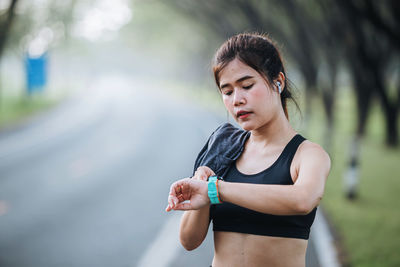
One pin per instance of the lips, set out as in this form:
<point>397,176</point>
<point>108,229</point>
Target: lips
<point>242,114</point>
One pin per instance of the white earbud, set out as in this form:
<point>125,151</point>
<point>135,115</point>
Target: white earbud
<point>279,87</point>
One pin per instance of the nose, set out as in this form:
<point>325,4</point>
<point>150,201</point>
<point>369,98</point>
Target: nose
<point>238,98</point>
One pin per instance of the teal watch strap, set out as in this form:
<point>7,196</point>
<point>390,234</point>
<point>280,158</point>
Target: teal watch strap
<point>213,193</point>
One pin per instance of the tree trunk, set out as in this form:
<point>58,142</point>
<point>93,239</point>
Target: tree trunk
<point>328,136</point>
<point>390,109</point>
<point>329,97</point>
<point>363,88</point>
<point>392,134</point>
<point>6,25</point>
<point>351,176</point>
<point>328,100</point>
<point>5,29</point>
<point>309,97</point>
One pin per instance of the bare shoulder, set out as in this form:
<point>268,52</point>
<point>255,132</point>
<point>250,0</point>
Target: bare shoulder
<point>310,161</point>
<point>309,152</point>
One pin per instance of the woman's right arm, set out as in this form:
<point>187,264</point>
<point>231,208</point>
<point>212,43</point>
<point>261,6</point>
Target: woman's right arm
<point>194,227</point>
<point>195,223</point>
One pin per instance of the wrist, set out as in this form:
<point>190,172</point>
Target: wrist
<point>213,189</point>
<point>221,186</point>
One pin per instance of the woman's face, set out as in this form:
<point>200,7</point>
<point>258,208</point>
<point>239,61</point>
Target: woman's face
<point>247,96</point>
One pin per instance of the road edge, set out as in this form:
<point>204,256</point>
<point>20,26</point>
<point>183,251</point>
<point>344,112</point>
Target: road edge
<point>324,241</point>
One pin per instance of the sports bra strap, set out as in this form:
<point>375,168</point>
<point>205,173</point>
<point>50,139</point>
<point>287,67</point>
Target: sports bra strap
<point>291,148</point>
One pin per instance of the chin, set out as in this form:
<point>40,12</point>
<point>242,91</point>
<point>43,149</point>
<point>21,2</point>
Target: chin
<point>252,125</point>
<point>247,125</point>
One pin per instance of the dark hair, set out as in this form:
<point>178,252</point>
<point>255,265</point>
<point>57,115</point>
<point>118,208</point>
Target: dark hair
<point>257,51</point>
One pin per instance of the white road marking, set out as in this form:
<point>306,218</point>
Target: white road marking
<point>323,242</point>
<point>165,247</point>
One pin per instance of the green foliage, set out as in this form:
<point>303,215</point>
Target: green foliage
<point>17,109</point>
<point>369,227</point>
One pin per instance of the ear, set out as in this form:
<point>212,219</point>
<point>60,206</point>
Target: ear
<point>281,80</point>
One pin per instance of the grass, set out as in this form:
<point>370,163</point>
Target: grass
<point>18,108</point>
<point>368,229</point>
<point>370,226</point>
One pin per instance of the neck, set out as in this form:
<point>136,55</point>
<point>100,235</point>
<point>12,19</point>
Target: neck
<point>278,131</point>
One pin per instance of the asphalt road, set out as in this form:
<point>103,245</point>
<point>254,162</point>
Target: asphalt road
<point>86,184</point>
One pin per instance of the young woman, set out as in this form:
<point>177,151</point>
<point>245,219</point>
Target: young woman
<point>260,185</point>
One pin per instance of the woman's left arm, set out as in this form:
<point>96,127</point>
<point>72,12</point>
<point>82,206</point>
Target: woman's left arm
<point>297,199</point>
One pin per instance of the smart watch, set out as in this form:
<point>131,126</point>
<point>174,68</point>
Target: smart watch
<point>213,193</point>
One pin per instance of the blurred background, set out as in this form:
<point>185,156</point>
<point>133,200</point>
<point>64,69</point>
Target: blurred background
<point>104,103</point>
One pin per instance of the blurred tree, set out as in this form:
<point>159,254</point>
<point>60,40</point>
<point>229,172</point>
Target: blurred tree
<point>369,51</point>
<point>374,47</point>
<point>21,24</point>
<point>6,20</point>
<point>33,17</point>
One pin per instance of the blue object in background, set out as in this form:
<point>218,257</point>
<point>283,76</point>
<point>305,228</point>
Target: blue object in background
<point>36,72</point>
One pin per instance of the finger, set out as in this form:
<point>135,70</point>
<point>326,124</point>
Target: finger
<point>183,206</point>
<point>181,198</point>
<point>203,172</point>
<point>186,191</point>
<point>172,189</point>
<point>177,186</point>
<point>172,200</point>
<point>200,176</point>
<point>178,189</point>
<point>168,208</point>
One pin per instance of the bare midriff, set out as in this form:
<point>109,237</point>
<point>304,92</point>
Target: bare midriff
<point>247,250</point>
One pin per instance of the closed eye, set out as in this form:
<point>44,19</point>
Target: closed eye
<point>248,87</point>
<point>227,92</point>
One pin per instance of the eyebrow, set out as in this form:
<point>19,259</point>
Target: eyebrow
<point>237,81</point>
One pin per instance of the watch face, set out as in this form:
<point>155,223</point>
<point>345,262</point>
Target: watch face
<point>211,177</point>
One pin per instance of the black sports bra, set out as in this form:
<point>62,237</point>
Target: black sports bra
<point>232,218</point>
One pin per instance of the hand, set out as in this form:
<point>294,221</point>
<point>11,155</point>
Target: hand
<point>196,191</point>
<point>202,173</point>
